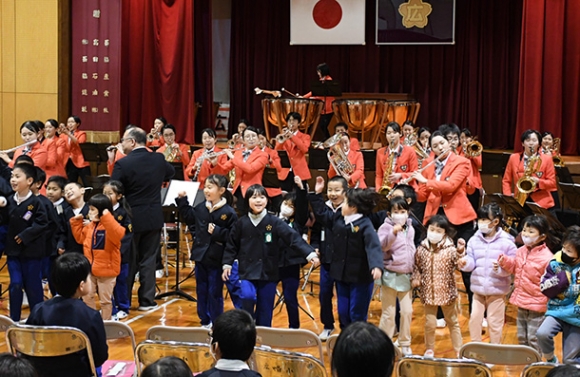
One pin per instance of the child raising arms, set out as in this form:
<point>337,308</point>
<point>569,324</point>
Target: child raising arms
<point>212,221</point>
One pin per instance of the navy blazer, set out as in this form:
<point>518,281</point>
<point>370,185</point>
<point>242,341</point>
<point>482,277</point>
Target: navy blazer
<point>356,246</point>
<point>321,236</point>
<point>257,247</point>
<point>29,221</point>
<point>142,174</point>
<point>61,311</point>
<point>297,222</point>
<point>72,246</point>
<point>50,235</point>
<point>123,218</point>
<point>208,248</point>
<point>62,228</point>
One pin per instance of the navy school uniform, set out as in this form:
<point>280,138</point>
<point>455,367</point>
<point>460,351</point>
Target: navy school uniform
<point>71,245</point>
<point>121,298</point>
<point>29,221</point>
<point>51,236</point>
<point>257,250</point>
<point>61,311</point>
<point>207,252</point>
<point>321,239</point>
<point>357,250</point>
<point>291,261</point>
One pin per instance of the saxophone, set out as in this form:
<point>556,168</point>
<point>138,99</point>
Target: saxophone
<point>526,184</point>
<point>386,187</point>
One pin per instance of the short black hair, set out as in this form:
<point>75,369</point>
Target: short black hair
<point>399,202</point>
<point>362,349</point>
<point>211,133</point>
<point>408,192</point>
<point>14,366</point>
<point>101,202</point>
<point>572,238</point>
<point>28,170</point>
<point>169,126</point>
<point>167,366</point>
<point>395,126</point>
<point>30,125</point>
<point>490,211</point>
<point>24,159</point>
<point>340,179</point>
<point>40,176</point>
<point>58,180</point>
<point>434,134</point>
<point>564,371</point>
<point>250,129</point>
<point>52,122</point>
<point>235,333</point>
<point>341,124</point>
<point>324,69</point>
<point>294,115</point>
<point>252,190</point>
<point>441,221</point>
<point>466,132</point>
<point>68,271</point>
<point>449,128</point>
<point>364,200</point>
<point>162,119</point>
<point>527,133</point>
<point>408,123</point>
<point>76,119</point>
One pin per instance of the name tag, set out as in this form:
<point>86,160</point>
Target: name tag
<point>27,215</point>
<point>322,235</point>
<point>268,237</point>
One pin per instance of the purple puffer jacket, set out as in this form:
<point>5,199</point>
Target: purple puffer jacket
<point>480,255</point>
<point>399,250</point>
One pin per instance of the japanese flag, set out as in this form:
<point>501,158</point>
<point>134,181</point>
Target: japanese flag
<point>327,22</point>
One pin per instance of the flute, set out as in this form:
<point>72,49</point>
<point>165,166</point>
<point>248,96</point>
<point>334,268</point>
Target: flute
<point>20,146</point>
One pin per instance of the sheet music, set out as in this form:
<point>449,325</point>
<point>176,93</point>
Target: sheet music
<point>176,186</point>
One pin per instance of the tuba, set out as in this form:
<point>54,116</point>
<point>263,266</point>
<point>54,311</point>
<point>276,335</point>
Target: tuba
<point>526,184</point>
<point>386,186</point>
<point>473,149</point>
<point>337,158</point>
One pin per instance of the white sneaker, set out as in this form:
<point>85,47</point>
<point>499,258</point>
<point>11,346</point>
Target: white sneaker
<point>484,322</point>
<point>120,315</point>
<point>159,274</point>
<point>429,353</point>
<point>441,323</point>
<point>208,326</point>
<point>325,334</point>
<point>406,351</point>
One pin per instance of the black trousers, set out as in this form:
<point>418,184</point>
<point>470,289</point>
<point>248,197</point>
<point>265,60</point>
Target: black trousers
<point>143,260</point>
<point>75,173</point>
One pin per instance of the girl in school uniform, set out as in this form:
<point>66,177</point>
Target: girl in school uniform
<point>212,221</point>
<point>434,272</point>
<point>357,258</point>
<point>122,212</point>
<point>528,266</point>
<point>254,241</point>
<point>489,283</point>
<point>396,236</point>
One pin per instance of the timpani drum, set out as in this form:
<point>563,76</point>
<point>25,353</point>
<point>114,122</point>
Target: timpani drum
<point>275,111</point>
<point>364,117</point>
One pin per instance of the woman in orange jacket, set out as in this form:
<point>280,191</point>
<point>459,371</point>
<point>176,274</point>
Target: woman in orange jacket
<point>76,166</point>
<point>101,240</point>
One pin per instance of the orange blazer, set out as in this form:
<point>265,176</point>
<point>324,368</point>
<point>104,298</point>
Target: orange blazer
<point>74,149</point>
<point>156,142</point>
<point>356,159</point>
<point>546,175</point>
<point>474,181</point>
<point>37,153</point>
<point>448,192</point>
<point>274,162</point>
<point>297,147</point>
<point>327,100</point>
<point>56,150</point>
<point>247,172</point>
<point>406,164</point>
<point>184,158</point>
<point>206,168</point>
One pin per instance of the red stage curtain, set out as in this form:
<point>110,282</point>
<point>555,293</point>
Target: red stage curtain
<point>549,89</point>
<point>158,64</point>
<point>203,66</point>
<point>473,83</point>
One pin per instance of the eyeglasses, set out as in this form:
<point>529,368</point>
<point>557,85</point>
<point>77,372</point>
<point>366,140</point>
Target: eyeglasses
<point>125,139</point>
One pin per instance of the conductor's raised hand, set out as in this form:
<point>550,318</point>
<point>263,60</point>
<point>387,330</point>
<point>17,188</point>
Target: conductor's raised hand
<point>319,186</point>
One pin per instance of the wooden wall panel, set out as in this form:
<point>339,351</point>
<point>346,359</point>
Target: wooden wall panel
<point>10,133</point>
<point>8,66</point>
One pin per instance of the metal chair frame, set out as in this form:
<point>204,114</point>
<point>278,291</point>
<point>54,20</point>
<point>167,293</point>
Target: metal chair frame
<point>179,334</point>
<point>538,369</point>
<point>278,363</point>
<point>502,354</point>
<point>411,366</point>
<point>289,338</point>
<point>187,351</point>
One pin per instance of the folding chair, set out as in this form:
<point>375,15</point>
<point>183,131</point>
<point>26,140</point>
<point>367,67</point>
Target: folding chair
<point>118,330</point>
<point>538,369</point>
<point>196,355</point>
<point>5,323</point>
<point>277,363</point>
<point>330,343</point>
<point>503,354</point>
<point>412,366</point>
<point>289,338</point>
<point>179,334</point>
<point>48,341</point>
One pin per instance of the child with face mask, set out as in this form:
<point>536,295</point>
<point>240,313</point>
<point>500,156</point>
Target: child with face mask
<point>396,236</point>
<point>528,266</point>
<point>489,283</point>
<point>434,272</point>
<point>561,285</point>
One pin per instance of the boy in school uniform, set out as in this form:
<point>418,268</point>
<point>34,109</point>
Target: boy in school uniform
<point>74,194</point>
<point>55,193</point>
<point>71,279</point>
<point>25,244</point>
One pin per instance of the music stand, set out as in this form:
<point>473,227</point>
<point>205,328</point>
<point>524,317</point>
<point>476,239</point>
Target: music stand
<point>555,224</point>
<point>326,88</point>
<point>511,206</point>
<point>370,159</point>
<point>317,159</point>
<point>168,200</point>
<point>494,163</point>
<point>178,166</point>
<point>563,174</point>
<point>284,159</point>
<point>90,152</point>
<point>571,193</point>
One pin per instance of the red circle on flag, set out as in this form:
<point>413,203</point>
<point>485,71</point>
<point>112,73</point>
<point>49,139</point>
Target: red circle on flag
<point>327,13</point>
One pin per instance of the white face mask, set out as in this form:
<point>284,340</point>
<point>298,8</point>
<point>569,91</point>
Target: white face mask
<point>529,241</point>
<point>484,227</point>
<point>434,237</point>
<point>286,211</point>
<point>399,218</point>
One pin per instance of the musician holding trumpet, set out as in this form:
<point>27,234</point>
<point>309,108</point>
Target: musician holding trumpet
<point>296,144</point>
<point>155,137</point>
<point>206,161</point>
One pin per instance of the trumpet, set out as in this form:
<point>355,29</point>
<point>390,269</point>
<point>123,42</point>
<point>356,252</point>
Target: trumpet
<point>275,93</point>
<point>233,141</point>
<point>285,135</point>
<point>473,149</point>
<point>27,144</point>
